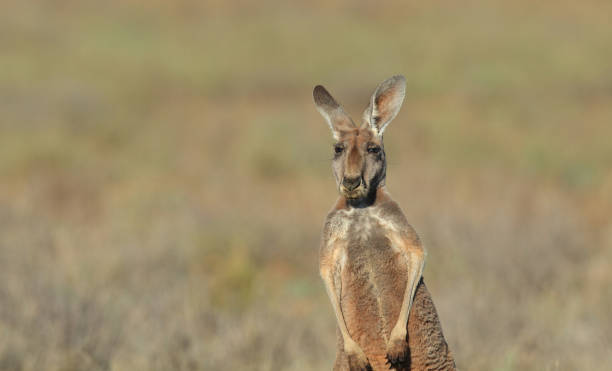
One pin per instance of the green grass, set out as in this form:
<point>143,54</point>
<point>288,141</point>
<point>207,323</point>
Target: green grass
<point>164,178</point>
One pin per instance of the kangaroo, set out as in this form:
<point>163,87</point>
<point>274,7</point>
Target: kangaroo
<point>371,260</point>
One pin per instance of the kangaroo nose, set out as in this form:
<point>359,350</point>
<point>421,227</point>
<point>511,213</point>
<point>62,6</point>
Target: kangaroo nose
<point>351,183</point>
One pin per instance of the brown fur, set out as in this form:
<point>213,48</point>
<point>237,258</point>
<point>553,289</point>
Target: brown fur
<point>371,259</point>
<point>428,348</point>
<point>372,280</point>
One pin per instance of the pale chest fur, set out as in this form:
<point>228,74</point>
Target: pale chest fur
<point>373,273</point>
<point>358,225</point>
<point>365,238</point>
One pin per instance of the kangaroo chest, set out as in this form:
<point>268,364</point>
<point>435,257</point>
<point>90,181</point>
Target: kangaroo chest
<point>360,227</point>
<point>373,274</point>
<point>368,243</point>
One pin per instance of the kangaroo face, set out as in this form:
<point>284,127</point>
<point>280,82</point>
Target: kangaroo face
<point>359,157</point>
<point>359,162</point>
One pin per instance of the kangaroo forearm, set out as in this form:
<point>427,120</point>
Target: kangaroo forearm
<point>333,287</point>
<point>415,265</point>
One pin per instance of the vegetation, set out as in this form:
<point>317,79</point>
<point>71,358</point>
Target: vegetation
<point>164,177</point>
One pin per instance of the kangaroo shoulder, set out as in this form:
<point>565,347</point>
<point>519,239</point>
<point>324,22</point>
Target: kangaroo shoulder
<point>336,225</point>
<point>391,211</point>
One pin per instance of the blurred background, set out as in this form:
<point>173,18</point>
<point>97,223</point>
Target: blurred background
<point>164,177</point>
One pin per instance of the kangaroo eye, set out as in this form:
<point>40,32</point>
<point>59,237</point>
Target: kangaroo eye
<point>374,149</point>
<point>338,149</point>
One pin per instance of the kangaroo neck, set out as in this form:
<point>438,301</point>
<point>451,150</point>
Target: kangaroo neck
<point>371,199</point>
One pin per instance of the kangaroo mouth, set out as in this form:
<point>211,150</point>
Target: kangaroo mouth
<point>357,193</point>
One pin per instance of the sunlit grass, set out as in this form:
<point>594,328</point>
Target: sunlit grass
<point>164,177</point>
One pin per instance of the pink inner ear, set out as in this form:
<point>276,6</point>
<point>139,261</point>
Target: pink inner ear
<point>387,103</point>
<point>384,102</point>
<point>384,96</point>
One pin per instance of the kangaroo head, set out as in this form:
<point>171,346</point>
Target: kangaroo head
<point>359,162</point>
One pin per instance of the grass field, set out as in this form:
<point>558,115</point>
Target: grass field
<point>164,177</point>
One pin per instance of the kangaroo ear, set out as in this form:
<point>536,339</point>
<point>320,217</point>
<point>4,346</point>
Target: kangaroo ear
<point>333,113</point>
<point>385,103</point>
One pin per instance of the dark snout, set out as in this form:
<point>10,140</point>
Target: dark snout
<point>351,183</point>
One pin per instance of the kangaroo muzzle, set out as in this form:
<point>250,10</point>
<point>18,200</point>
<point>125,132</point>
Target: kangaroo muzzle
<point>351,183</point>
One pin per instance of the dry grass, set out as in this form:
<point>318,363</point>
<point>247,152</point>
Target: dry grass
<point>164,177</point>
